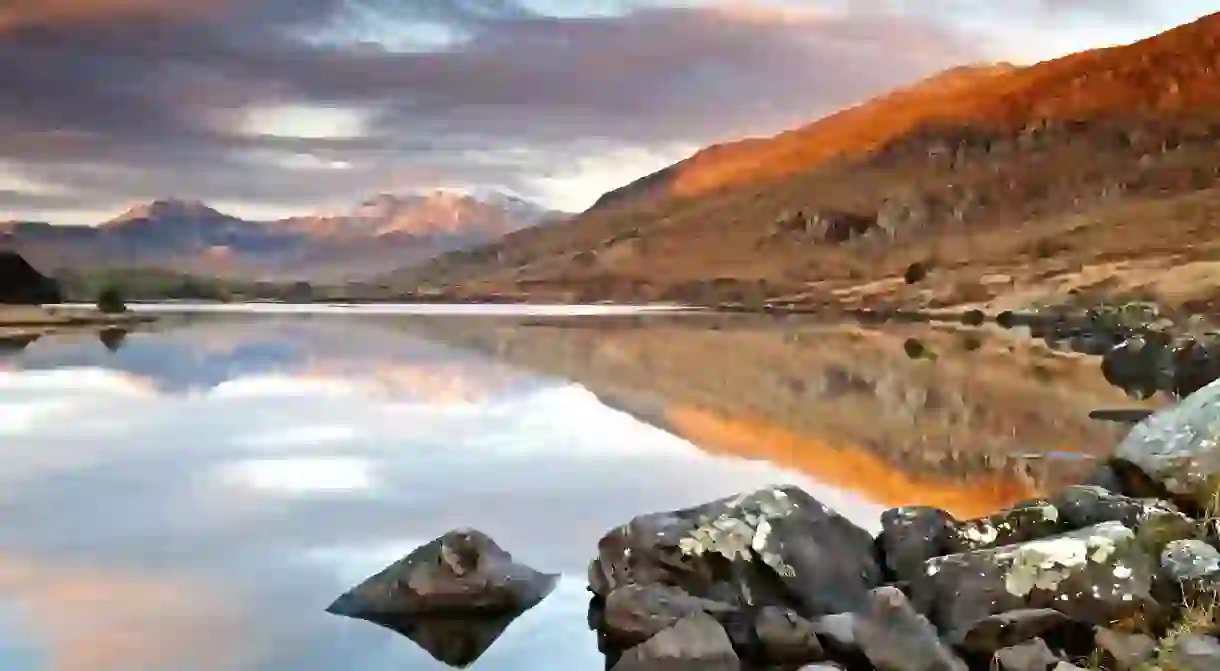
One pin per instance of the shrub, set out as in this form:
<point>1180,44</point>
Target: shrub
<point>110,301</point>
<point>915,272</point>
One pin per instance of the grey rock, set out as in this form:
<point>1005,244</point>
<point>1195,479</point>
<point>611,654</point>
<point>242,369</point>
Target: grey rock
<point>775,546</point>
<point>787,638</point>
<point>1032,655</point>
<point>838,631</point>
<point>1193,652</point>
<point>634,613</point>
<point>1023,522</point>
<point>995,632</point>
<point>896,638</point>
<point>1190,569</point>
<point>1155,522</point>
<point>461,573</point>
<point>1095,575</point>
<point>912,535</point>
<point>1124,652</point>
<point>1178,447</point>
<point>694,643</point>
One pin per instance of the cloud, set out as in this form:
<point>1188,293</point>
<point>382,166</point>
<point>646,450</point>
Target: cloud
<point>115,100</point>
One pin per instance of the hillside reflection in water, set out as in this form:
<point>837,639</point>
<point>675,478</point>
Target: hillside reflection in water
<point>193,497</point>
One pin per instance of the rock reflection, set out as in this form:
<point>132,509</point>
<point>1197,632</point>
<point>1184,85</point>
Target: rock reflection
<point>456,642</point>
<point>112,338</point>
<point>14,344</point>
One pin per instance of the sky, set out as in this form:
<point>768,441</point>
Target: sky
<point>268,108</point>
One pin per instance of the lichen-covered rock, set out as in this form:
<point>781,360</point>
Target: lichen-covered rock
<point>1122,651</point>
<point>1178,447</point>
<point>776,546</point>
<point>896,638</point>
<point>1190,570</point>
<point>1026,521</point>
<point>1032,655</point>
<point>1095,575</point>
<point>1193,652</point>
<point>462,573</point>
<point>634,613</point>
<point>912,535</point>
<point>1154,521</point>
<point>694,643</point>
<point>786,638</point>
<point>1004,630</point>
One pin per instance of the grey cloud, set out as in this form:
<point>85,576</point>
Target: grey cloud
<point>142,104</point>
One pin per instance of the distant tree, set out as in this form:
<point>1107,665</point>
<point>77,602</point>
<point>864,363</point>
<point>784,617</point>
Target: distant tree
<point>110,300</point>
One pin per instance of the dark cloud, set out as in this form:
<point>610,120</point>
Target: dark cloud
<point>142,98</point>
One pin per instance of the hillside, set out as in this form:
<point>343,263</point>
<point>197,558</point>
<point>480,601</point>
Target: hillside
<point>383,232</point>
<point>1007,180</point>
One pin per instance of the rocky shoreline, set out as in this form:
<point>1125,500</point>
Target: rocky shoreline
<point>1119,572</point>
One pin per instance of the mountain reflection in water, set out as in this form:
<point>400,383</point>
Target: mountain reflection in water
<point>196,497</point>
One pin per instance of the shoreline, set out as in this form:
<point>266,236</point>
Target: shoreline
<point>23,321</point>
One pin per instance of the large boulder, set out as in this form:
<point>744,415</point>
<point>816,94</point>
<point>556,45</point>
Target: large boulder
<point>896,638</point>
<point>775,546</point>
<point>1097,575</point>
<point>20,283</point>
<point>1178,448</point>
<point>461,574</point>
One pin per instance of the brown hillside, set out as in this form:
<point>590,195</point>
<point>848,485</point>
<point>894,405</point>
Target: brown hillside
<point>1027,173</point>
<point>1169,73</point>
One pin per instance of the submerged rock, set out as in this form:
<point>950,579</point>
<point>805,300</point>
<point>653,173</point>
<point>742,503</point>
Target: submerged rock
<point>776,546</point>
<point>1179,447</point>
<point>462,573</point>
<point>1096,575</point>
<point>694,643</point>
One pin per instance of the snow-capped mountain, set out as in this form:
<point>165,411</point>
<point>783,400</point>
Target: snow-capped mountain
<point>381,233</point>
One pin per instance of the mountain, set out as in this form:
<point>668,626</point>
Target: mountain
<point>1031,174</point>
<point>384,232</point>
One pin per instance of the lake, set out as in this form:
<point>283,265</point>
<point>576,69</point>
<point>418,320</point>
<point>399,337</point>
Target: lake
<point>192,496</point>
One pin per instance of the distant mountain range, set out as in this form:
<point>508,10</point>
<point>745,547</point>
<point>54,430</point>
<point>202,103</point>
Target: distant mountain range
<point>384,232</point>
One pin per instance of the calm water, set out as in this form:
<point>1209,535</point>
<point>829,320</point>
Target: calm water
<point>193,497</point>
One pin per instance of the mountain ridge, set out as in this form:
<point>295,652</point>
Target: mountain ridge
<point>382,232</point>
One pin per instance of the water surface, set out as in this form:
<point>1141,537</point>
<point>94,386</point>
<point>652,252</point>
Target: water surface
<point>194,496</point>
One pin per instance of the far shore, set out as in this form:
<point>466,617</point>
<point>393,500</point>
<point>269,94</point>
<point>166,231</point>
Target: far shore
<point>18,321</point>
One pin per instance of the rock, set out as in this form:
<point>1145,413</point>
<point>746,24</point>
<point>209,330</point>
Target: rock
<point>461,573</point>
<point>837,629</point>
<point>1135,366</point>
<point>836,227</point>
<point>776,546</point>
<point>1154,521</point>
<point>635,613</point>
<point>1193,652</point>
<point>1032,655</point>
<point>694,643</point>
<point>1190,570</point>
<point>912,535</point>
<point>1177,448</point>
<point>786,638</point>
<point>896,638</point>
<point>1067,666</point>
<point>996,632</point>
<point>1095,575</point>
<point>821,666</point>
<point>1124,652</point>
<point>1023,522</point>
